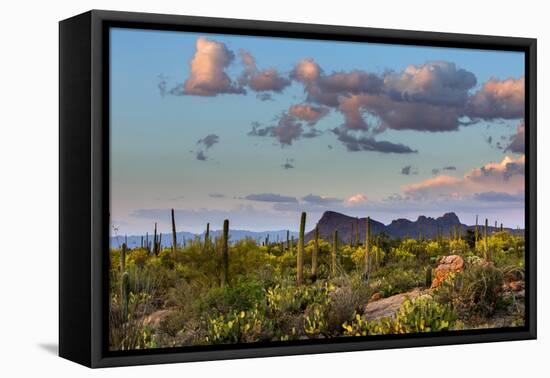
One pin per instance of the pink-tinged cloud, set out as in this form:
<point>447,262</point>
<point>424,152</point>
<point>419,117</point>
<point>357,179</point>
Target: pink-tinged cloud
<point>506,176</point>
<point>306,71</point>
<point>517,141</point>
<point>436,83</point>
<point>260,80</point>
<point>308,113</point>
<point>498,99</point>
<point>357,199</point>
<point>207,70</point>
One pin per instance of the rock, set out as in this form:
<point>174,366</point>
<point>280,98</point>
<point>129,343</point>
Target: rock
<point>153,320</point>
<point>514,286</point>
<point>375,297</point>
<point>447,264</point>
<point>385,307</point>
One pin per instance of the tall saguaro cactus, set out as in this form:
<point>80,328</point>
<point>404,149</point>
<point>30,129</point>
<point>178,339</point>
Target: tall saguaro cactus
<point>485,246</point>
<point>225,253</point>
<point>155,251</point>
<point>356,232</point>
<point>476,232</point>
<point>300,255</point>
<point>333,253</point>
<point>123,257</point>
<point>124,294</point>
<point>366,266</point>
<point>174,238</point>
<point>207,235</point>
<point>428,277</point>
<point>315,253</point>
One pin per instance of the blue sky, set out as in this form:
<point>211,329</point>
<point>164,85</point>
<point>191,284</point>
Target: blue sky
<point>158,163</point>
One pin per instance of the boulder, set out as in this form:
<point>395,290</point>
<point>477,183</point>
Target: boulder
<point>387,307</point>
<point>447,264</point>
<point>153,320</point>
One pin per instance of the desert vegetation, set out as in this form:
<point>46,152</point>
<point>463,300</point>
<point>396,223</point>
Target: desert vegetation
<point>212,290</point>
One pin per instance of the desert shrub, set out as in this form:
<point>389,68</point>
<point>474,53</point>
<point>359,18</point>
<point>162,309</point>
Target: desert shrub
<point>343,303</point>
<point>166,257</point>
<point>458,247</point>
<point>421,314</point>
<point>246,259</point>
<point>239,327</point>
<point>315,321</point>
<point>481,288</point>
<point>241,296</point>
<point>392,280</point>
<point>294,300</point>
<point>399,254</point>
<point>475,291</point>
<point>137,257</point>
<point>127,333</point>
<point>173,323</point>
<point>434,249</point>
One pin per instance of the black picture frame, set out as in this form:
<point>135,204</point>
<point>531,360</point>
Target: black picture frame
<point>84,186</point>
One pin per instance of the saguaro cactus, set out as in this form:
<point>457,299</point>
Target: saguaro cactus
<point>147,242</point>
<point>291,249</point>
<point>333,253</point>
<point>123,257</point>
<point>429,277</point>
<point>366,266</point>
<point>485,245</point>
<point>225,253</point>
<point>501,228</point>
<point>207,235</point>
<point>476,232</point>
<point>315,253</point>
<point>356,232</point>
<point>124,294</point>
<point>288,239</point>
<point>174,238</point>
<point>300,255</point>
<point>155,251</point>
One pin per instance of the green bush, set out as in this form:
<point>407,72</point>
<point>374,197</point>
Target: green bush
<point>475,291</point>
<point>418,315</point>
<point>239,327</point>
<point>241,296</point>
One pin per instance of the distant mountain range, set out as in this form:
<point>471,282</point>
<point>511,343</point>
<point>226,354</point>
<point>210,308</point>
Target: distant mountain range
<point>166,241</point>
<point>330,221</point>
<point>426,226</point>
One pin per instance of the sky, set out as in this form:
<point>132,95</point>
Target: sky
<point>259,129</point>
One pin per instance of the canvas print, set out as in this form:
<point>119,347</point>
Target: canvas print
<point>277,190</point>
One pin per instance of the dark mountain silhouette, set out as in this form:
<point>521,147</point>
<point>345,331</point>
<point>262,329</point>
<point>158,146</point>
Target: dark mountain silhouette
<point>426,227</point>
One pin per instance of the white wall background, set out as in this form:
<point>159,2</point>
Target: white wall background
<point>29,186</point>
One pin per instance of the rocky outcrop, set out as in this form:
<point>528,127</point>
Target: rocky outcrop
<point>387,307</point>
<point>447,265</point>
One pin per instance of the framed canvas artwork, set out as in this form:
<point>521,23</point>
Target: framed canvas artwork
<point>233,188</point>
